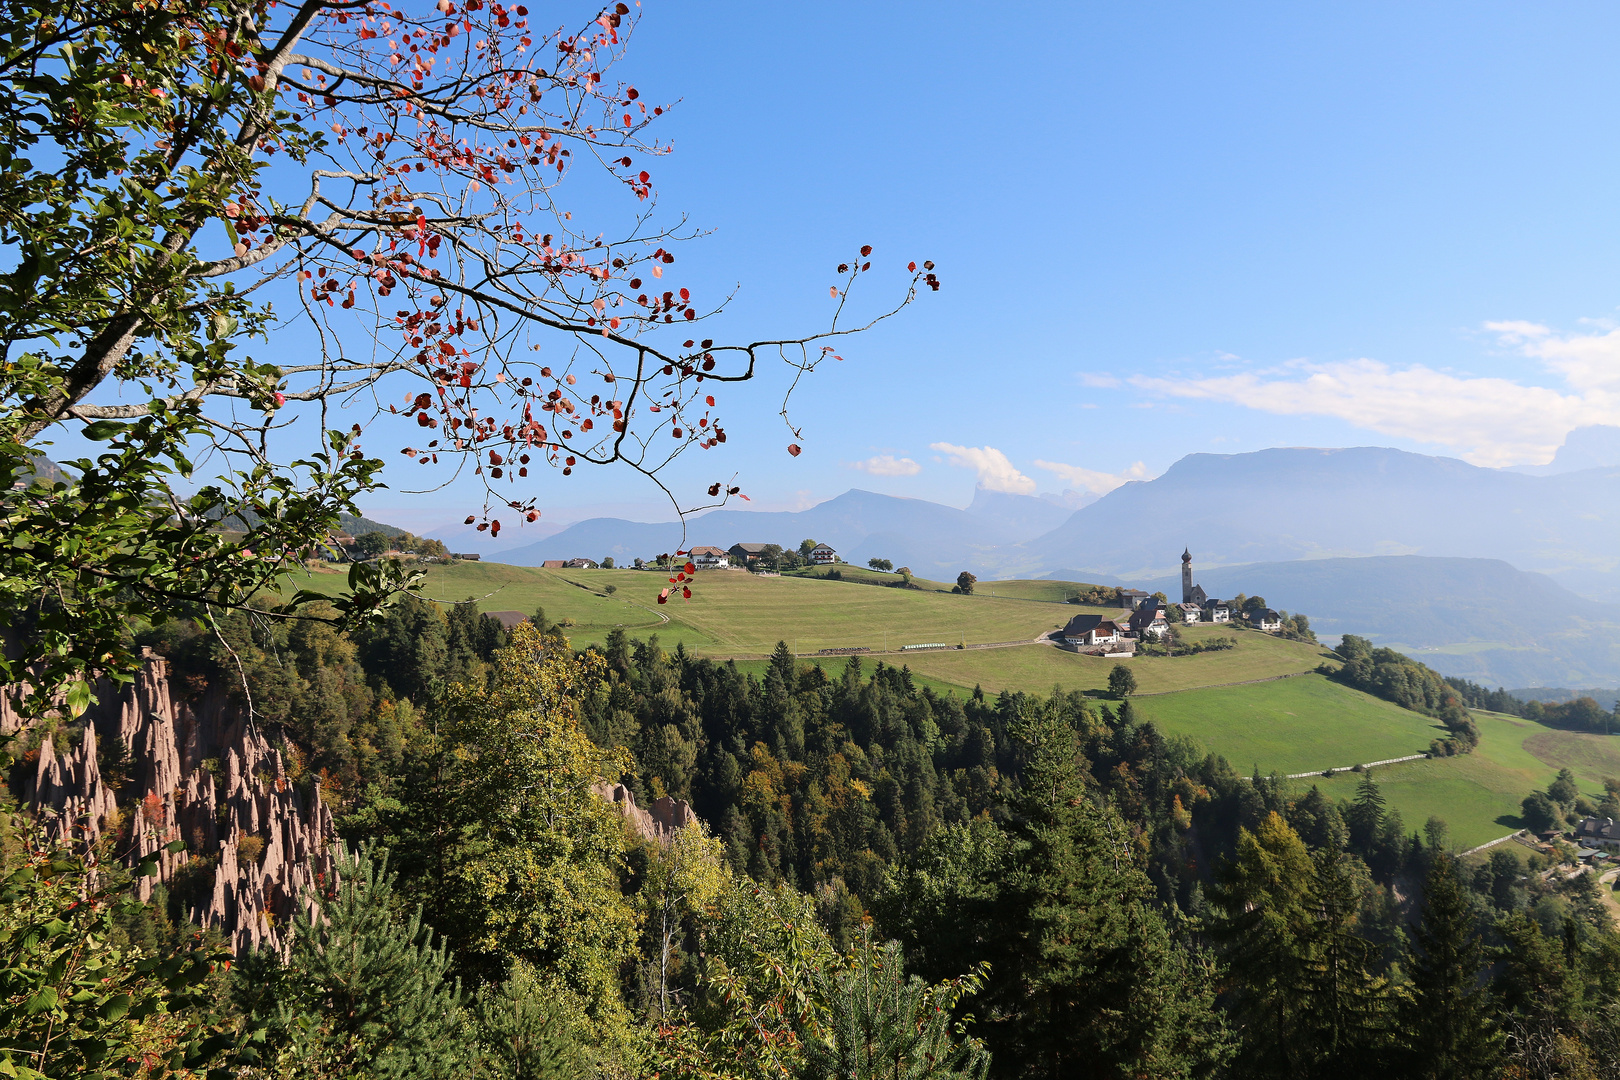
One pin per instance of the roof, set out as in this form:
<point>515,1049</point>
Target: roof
<point>1082,624</point>
<point>707,549</point>
<point>1264,616</point>
<point>1596,828</point>
<point>822,547</point>
<point>752,549</point>
<point>580,562</point>
<point>507,619</point>
<point>1186,555</point>
<point>1133,592</point>
<point>553,564</point>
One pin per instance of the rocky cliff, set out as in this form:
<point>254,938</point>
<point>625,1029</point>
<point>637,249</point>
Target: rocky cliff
<point>203,775</point>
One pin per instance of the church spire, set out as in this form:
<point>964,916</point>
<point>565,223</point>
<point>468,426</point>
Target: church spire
<point>1186,555</point>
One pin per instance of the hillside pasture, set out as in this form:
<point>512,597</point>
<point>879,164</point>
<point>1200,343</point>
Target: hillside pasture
<point>1291,725</point>
<point>1038,668</point>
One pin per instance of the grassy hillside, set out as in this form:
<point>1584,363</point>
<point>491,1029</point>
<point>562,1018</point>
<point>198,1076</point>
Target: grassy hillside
<point>1292,725</point>
<point>1287,725</point>
<point>1039,668</point>
<point>1478,794</point>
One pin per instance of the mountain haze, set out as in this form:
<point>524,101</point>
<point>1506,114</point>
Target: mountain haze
<point>1286,504</point>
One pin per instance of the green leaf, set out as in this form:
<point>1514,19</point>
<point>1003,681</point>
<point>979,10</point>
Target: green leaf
<point>103,430</point>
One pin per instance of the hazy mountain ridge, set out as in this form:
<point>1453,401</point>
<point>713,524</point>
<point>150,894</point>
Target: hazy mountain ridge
<point>1287,504</point>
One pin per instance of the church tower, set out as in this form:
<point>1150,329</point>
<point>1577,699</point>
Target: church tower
<point>1186,577</point>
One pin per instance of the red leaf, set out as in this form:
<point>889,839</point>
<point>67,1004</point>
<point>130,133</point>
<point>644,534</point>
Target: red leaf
<point>793,448</point>
<point>866,250</point>
<point>690,569</point>
<point>686,592</point>
<point>663,596</point>
<point>709,401</point>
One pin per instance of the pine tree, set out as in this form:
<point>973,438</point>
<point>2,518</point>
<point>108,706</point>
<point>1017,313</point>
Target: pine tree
<point>362,993</point>
<point>1451,1033</point>
<point>1095,985</point>
<point>880,1025</point>
<point>1365,816</point>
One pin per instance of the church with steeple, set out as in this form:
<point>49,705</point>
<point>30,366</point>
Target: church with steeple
<point>1197,605</point>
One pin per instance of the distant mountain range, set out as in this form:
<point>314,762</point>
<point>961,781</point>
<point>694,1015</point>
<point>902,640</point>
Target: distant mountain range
<point>1287,504</point>
<point>1498,575</point>
<point>1477,618</point>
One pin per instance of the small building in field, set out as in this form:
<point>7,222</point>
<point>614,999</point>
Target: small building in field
<point>1148,621</point>
<point>1596,832</point>
<point>746,554</point>
<point>580,564</point>
<point>1132,598</point>
<point>1265,619</point>
<point>1084,631</point>
<point>822,555</point>
<point>708,557</point>
<point>1218,611</point>
<point>553,564</point>
<point>1191,613</point>
<point>468,556</point>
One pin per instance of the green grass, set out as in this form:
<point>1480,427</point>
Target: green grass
<point>1291,725</point>
<point>1053,592</point>
<point>1037,668</point>
<point>1478,794</point>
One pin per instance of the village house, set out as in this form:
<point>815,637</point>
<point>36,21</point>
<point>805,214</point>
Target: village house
<point>1084,630</point>
<point>1600,833</point>
<point>1148,621</point>
<point>746,554</point>
<point>1218,611</point>
<point>580,564</point>
<point>822,555</point>
<point>553,564</point>
<point>1132,598</point>
<point>1265,619</point>
<point>708,557</point>
<point>1191,613</point>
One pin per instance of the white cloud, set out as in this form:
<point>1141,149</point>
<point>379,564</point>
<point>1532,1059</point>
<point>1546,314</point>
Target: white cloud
<point>1586,361</point>
<point>1100,380</point>
<point>1097,483</point>
<point>887,465</point>
<point>996,473</point>
<point>1489,421</point>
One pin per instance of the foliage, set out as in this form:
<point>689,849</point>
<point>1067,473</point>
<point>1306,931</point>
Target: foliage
<point>363,992</point>
<point>1122,681</point>
<point>684,876</point>
<point>883,1026</point>
<point>521,1037</point>
<point>1393,677</point>
<point>884,565</point>
<point>965,582</point>
<point>513,855</point>
<point>76,1000</point>
<point>1448,1025</point>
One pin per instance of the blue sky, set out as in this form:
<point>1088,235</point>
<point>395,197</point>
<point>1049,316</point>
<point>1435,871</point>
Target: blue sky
<point>1162,230</point>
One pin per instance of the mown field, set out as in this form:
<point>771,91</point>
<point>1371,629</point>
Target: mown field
<point>1231,702</point>
<point>1478,794</point>
<point>1291,725</point>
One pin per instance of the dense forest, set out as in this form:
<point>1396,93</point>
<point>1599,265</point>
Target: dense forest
<point>884,881</point>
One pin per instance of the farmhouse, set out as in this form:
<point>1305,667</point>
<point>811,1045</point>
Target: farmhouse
<point>1596,832</point>
<point>746,554</point>
<point>1148,621</point>
<point>1132,598</point>
<point>1218,611</point>
<point>1265,619</point>
<point>553,564</point>
<point>580,564</point>
<point>1091,630</point>
<point>821,554</point>
<point>1191,613</point>
<point>707,556</point>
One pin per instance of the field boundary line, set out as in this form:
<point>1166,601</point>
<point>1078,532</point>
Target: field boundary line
<point>1219,685</point>
<point>1515,834</point>
<point>1352,768</point>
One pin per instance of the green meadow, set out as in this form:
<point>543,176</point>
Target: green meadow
<point>1259,704</point>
